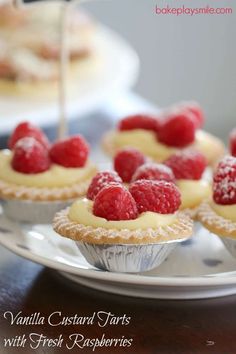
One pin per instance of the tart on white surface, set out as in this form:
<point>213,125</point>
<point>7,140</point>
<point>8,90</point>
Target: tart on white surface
<point>219,213</point>
<point>120,226</point>
<point>37,179</point>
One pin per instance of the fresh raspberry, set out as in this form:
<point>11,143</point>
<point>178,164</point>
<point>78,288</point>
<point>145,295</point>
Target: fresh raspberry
<point>224,181</point>
<point>177,129</point>
<point>158,196</point>
<point>198,114</point>
<point>70,152</point>
<point>29,156</point>
<point>187,164</point>
<point>115,202</point>
<point>154,171</point>
<point>140,121</point>
<point>127,161</point>
<point>232,142</point>
<point>26,129</point>
<point>195,109</point>
<point>101,180</point>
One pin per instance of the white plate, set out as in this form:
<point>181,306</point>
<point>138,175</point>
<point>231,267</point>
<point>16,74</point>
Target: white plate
<point>199,268</point>
<point>118,70</point>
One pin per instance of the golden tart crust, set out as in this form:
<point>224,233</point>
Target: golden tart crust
<point>179,230</point>
<point>14,191</point>
<point>216,223</point>
<point>191,212</point>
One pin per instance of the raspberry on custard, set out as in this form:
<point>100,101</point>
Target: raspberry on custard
<point>195,109</point>
<point>114,202</point>
<point>154,171</point>
<point>30,156</point>
<point>177,129</point>
<point>187,164</point>
<point>224,181</point>
<point>127,161</point>
<point>140,121</point>
<point>232,142</point>
<point>101,180</point>
<point>157,196</point>
<point>70,152</point>
<point>26,129</point>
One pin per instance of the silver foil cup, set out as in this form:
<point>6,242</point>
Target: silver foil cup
<point>35,212</point>
<point>126,258</point>
<point>230,244</point>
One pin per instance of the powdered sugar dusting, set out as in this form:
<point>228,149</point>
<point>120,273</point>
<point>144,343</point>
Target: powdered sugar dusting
<point>13,191</point>
<point>224,186</point>
<point>26,144</point>
<point>155,171</point>
<point>180,229</point>
<point>101,180</point>
<point>187,164</point>
<point>151,165</point>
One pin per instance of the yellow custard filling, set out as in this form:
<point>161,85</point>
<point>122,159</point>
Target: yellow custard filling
<point>56,176</point>
<point>81,213</point>
<point>144,141</point>
<point>193,192</point>
<point>226,211</point>
<point>147,142</point>
<point>209,145</point>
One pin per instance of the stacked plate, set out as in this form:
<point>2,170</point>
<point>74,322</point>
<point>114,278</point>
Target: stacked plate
<point>89,91</point>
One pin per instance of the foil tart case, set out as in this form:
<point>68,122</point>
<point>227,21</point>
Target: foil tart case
<point>126,258</point>
<point>34,212</point>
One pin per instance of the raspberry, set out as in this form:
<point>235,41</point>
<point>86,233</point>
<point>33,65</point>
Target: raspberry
<point>70,152</point>
<point>178,130</point>
<point>198,114</point>
<point>232,142</point>
<point>158,196</point>
<point>140,121</point>
<point>224,181</point>
<point>26,129</point>
<point>29,156</point>
<point>101,180</point>
<point>126,163</point>
<point>115,202</point>
<point>187,164</point>
<point>154,171</point>
<point>196,111</point>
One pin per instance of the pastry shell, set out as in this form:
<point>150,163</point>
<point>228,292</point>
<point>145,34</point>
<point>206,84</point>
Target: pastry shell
<point>216,223</point>
<point>125,251</point>
<point>20,192</point>
<point>38,205</point>
<point>191,212</point>
<point>181,229</point>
